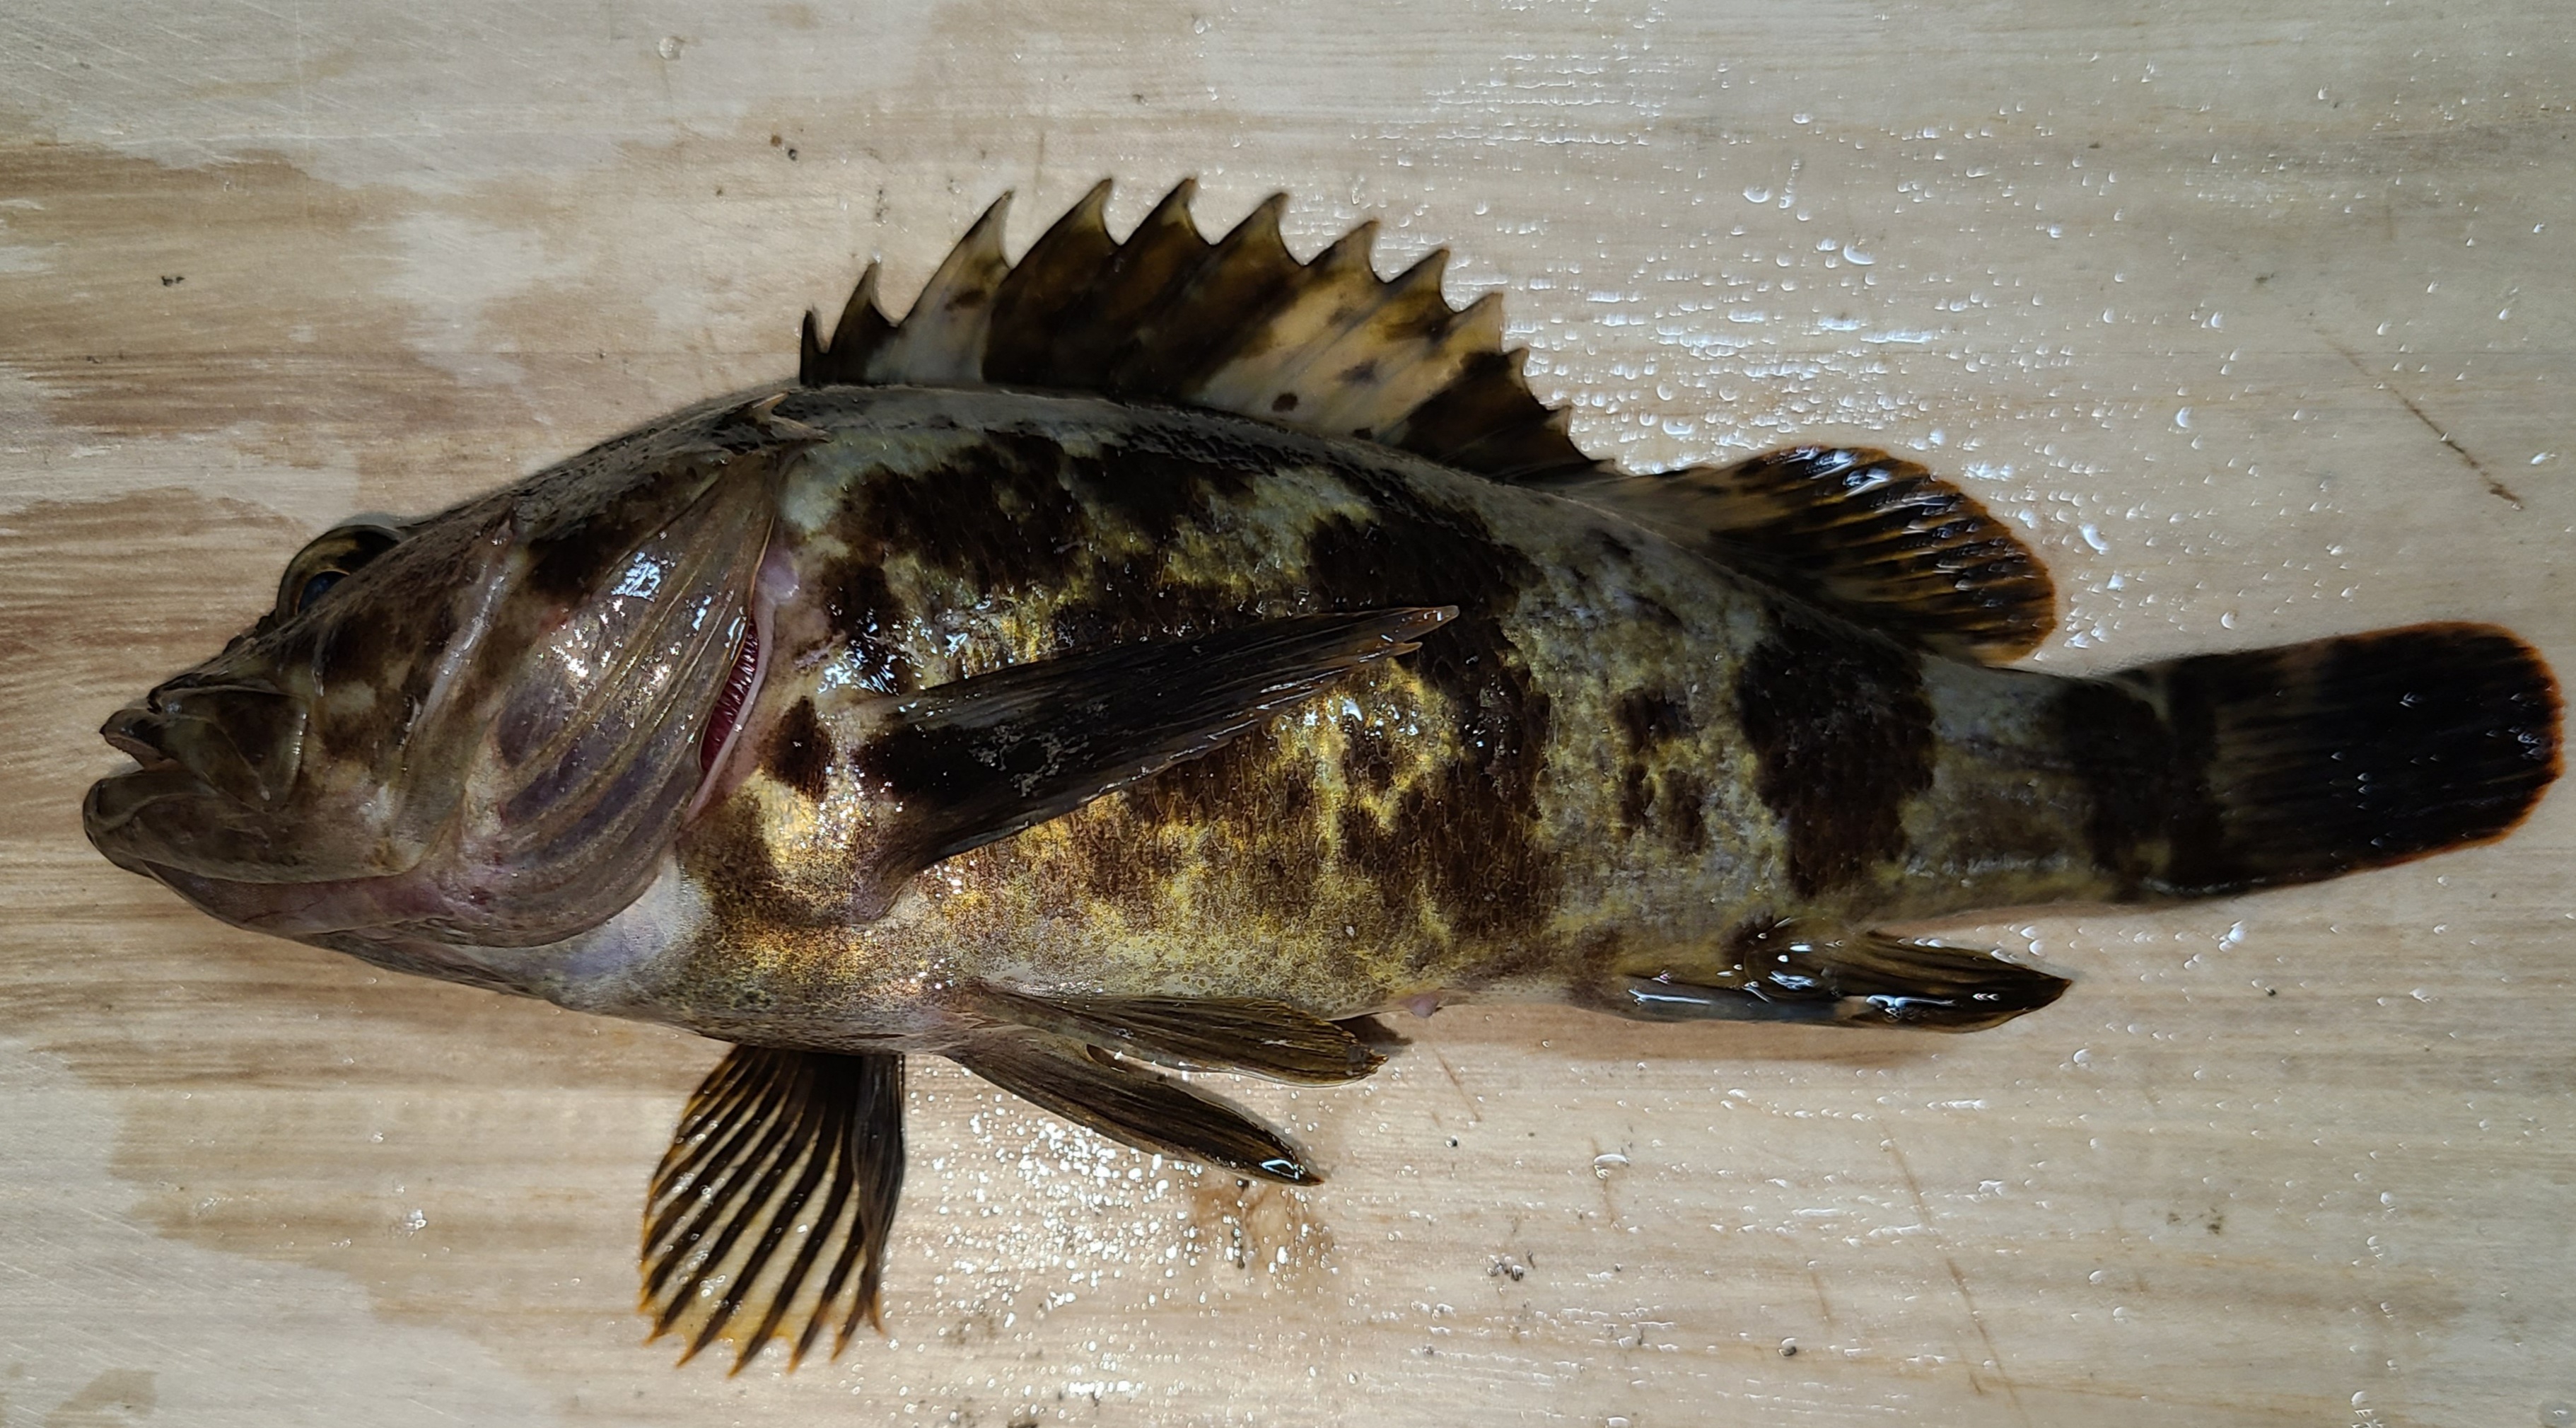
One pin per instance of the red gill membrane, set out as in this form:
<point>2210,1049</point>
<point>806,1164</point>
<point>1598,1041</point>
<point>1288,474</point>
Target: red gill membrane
<point>729,704</point>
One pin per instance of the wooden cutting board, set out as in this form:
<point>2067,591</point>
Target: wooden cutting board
<point>2259,327</point>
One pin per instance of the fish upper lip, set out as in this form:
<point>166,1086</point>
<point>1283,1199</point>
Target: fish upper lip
<point>136,732</point>
<point>193,725</point>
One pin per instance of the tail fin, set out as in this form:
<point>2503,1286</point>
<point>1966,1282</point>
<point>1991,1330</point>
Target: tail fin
<point>2225,772</point>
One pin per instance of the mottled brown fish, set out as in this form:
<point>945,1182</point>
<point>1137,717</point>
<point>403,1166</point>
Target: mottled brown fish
<point>1166,652</point>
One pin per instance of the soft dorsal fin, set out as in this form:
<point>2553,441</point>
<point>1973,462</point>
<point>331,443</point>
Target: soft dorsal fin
<point>1877,540</point>
<point>1238,325</point>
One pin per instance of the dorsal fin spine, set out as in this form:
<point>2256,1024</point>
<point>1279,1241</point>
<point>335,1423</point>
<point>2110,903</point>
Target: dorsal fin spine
<point>1244,272</point>
<point>1028,315</point>
<point>855,338</point>
<point>941,340</point>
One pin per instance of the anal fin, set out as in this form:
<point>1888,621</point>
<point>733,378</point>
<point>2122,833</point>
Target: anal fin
<point>769,1215</point>
<point>1132,1105</point>
<point>1873,538</point>
<point>1855,979</point>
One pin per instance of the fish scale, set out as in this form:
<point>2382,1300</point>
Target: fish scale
<point>1167,654</point>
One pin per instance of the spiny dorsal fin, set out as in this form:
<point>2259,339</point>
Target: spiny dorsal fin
<point>862,330</point>
<point>1877,540</point>
<point>1238,325</point>
<point>769,1215</point>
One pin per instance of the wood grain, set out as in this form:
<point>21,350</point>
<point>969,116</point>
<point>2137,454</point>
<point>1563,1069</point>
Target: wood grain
<point>2258,323</point>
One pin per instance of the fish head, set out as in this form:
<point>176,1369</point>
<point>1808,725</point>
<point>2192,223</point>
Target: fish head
<point>480,729</point>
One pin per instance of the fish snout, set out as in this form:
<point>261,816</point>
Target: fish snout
<point>243,741</point>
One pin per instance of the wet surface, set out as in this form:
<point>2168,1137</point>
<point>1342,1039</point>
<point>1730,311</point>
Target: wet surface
<point>2250,326</point>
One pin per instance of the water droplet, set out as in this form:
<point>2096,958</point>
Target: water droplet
<point>1602,1165</point>
<point>2558,1415</point>
<point>669,49</point>
<point>1757,195</point>
<point>415,1220</point>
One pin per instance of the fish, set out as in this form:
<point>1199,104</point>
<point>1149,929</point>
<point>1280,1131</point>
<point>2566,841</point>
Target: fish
<point>1164,654</point>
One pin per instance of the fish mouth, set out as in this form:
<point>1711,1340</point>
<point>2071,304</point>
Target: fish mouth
<point>242,739</point>
<point>160,818</point>
<point>213,759</point>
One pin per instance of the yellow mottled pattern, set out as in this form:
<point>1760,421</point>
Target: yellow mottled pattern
<point>1351,852</point>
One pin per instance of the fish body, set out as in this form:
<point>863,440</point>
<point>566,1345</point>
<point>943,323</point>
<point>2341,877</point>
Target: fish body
<point>1557,793</point>
<point>1165,653</point>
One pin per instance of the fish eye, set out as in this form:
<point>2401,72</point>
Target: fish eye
<point>332,557</point>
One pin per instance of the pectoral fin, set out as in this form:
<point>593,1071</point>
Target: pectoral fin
<point>1262,1038</point>
<point>985,757</point>
<point>769,1215</point>
<point>1858,979</point>
<point>1132,1105</point>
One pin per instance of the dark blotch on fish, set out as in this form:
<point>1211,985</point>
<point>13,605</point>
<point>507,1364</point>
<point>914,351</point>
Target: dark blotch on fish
<point>865,612</point>
<point>2123,756</point>
<point>1663,799</point>
<point>999,516</point>
<point>1161,491</point>
<point>1844,734</point>
<point>799,752</point>
<point>1466,833</point>
<point>1649,718</point>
